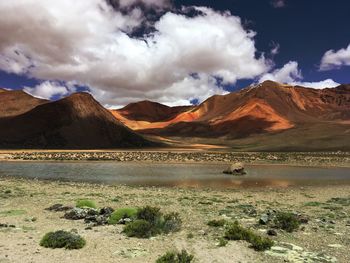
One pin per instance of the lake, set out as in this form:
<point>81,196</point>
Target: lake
<point>176,175</point>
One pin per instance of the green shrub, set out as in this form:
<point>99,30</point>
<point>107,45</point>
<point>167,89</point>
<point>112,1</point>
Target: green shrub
<point>260,243</point>
<point>150,214</point>
<point>139,228</point>
<point>287,221</point>
<point>122,213</point>
<point>222,242</point>
<point>175,257</point>
<point>150,222</point>
<point>237,232</point>
<point>217,223</point>
<point>171,223</point>
<point>86,203</point>
<point>62,239</point>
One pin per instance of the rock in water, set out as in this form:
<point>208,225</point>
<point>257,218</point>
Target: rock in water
<point>235,169</point>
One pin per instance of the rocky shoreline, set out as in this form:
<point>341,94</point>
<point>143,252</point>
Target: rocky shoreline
<point>340,159</point>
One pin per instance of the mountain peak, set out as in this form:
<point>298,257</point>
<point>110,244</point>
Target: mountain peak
<point>271,84</point>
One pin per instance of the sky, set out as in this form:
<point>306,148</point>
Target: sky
<point>173,52</point>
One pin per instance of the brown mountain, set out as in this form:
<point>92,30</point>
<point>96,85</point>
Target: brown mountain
<point>16,102</point>
<point>268,110</point>
<point>75,122</point>
<point>148,114</point>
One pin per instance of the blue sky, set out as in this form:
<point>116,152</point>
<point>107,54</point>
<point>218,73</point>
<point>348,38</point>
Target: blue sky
<point>56,64</point>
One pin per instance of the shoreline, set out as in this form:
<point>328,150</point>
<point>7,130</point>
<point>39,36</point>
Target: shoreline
<point>302,159</point>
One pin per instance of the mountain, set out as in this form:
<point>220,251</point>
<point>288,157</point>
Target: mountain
<point>16,102</point>
<point>75,122</point>
<point>148,114</point>
<point>259,113</point>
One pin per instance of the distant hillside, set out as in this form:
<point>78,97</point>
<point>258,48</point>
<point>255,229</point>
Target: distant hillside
<point>269,112</point>
<point>75,122</point>
<point>13,103</point>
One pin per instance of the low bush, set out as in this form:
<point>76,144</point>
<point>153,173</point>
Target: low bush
<point>260,243</point>
<point>85,203</point>
<point>122,213</point>
<point>287,221</point>
<point>217,223</point>
<point>150,214</point>
<point>62,239</point>
<point>150,221</point>
<point>171,223</point>
<point>237,232</point>
<point>222,242</point>
<point>139,228</point>
<point>175,257</point>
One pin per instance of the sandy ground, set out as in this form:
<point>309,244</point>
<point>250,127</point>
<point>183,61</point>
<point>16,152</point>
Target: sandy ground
<point>196,206</point>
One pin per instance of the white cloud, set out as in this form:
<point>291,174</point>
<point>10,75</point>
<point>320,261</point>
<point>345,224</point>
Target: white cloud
<point>89,42</point>
<point>278,3</point>
<point>328,83</point>
<point>275,48</point>
<point>49,89</point>
<point>291,74</point>
<point>287,74</point>
<point>335,59</point>
<point>149,3</point>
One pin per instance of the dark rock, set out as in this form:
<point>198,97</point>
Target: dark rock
<point>107,211</point>
<point>7,226</point>
<point>264,219</point>
<point>303,219</point>
<point>58,208</point>
<point>271,232</point>
<point>80,213</point>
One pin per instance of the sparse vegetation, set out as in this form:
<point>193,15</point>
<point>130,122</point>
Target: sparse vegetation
<point>140,228</point>
<point>176,257</point>
<point>12,213</point>
<point>287,221</point>
<point>62,239</point>
<point>237,232</point>
<point>217,223</point>
<point>85,203</point>
<point>222,242</point>
<point>121,213</point>
<point>150,222</point>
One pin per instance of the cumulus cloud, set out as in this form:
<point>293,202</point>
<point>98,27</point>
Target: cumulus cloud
<point>291,74</point>
<point>91,43</point>
<point>287,74</point>
<point>148,3</point>
<point>50,89</point>
<point>278,3</point>
<point>335,59</point>
<point>328,83</point>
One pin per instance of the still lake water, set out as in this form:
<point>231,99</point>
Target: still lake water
<point>179,175</point>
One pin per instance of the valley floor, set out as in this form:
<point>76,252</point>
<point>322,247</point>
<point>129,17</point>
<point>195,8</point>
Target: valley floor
<point>325,237</point>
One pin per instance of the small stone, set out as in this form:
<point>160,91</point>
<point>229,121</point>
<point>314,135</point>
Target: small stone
<point>271,232</point>
<point>335,246</point>
<point>264,219</point>
<point>58,208</point>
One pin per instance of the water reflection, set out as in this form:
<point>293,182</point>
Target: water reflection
<point>175,175</point>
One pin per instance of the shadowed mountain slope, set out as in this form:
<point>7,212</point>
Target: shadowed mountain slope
<point>75,122</point>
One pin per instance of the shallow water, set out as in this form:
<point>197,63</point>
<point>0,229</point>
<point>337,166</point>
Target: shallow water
<point>179,175</point>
